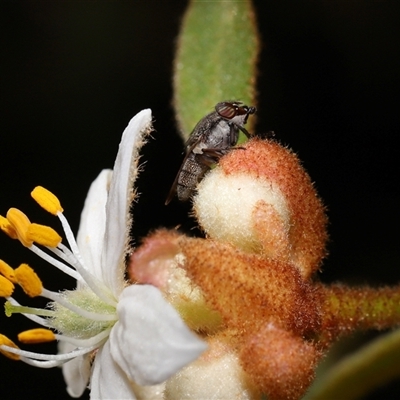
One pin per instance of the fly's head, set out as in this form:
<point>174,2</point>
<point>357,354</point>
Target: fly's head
<point>234,111</point>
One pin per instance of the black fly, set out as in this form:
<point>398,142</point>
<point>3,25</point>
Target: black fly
<point>213,136</point>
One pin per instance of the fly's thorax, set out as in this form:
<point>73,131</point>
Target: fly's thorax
<point>222,135</point>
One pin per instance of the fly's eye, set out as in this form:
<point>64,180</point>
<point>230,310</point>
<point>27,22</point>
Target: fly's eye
<point>226,110</point>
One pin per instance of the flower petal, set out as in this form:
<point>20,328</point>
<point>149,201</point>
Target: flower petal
<point>155,392</point>
<point>150,342</point>
<point>76,372</point>
<point>90,236</point>
<point>119,200</point>
<point>108,380</point>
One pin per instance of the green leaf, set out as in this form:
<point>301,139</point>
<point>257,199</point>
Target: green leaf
<point>215,61</point>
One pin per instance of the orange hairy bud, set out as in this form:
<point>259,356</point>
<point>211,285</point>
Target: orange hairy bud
<point>247,289</point>
<point>277,164</point>
<point>280,364</point>
<point>273,208</point>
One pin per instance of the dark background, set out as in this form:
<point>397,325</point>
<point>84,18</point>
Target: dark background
<point>74,72</point>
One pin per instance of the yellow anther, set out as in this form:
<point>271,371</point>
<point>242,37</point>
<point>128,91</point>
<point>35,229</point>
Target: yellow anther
<point>38,335</point>
<point>7,271</point>
<point>46,200</point>
<point>20,222</point>
<point>4,340</point>
<point>43,235</point>
<point>7,228</point>
<point>6,287</point>
<point>28,280</point>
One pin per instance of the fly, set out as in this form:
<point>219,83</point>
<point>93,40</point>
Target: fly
<point>213,136</point>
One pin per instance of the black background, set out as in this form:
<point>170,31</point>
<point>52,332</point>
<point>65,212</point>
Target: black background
<point>74,72</point>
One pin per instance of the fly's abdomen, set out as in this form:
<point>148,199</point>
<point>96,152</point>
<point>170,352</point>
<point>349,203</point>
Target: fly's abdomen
<point>191,174</point>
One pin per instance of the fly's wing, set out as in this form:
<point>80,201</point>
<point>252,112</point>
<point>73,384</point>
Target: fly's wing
<point>192,144</point>
<point>201,130</point>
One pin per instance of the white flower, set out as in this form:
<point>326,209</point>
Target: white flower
<point>116,335</point>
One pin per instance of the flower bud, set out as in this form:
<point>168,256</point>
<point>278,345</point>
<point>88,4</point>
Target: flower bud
<point>261,200</point>
<point>279,363</point>
<point>217,374</point>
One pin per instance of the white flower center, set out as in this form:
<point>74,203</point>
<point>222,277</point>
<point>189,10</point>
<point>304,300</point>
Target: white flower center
<point>72,324</point>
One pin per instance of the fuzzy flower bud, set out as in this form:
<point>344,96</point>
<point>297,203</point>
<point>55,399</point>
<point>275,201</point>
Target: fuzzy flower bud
<point>281,364</point>
<point>261,200</point>
<point>217,374</point>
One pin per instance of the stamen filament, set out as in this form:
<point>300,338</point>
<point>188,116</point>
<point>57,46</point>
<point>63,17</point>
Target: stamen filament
<point>7,343</point>
<point>95,284</point>
<point>61,266</point>
<point>69,236</point>
<point>80,311</point>
<point>50,357</point>
<point>84,342</point>
<point>42,364</point>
